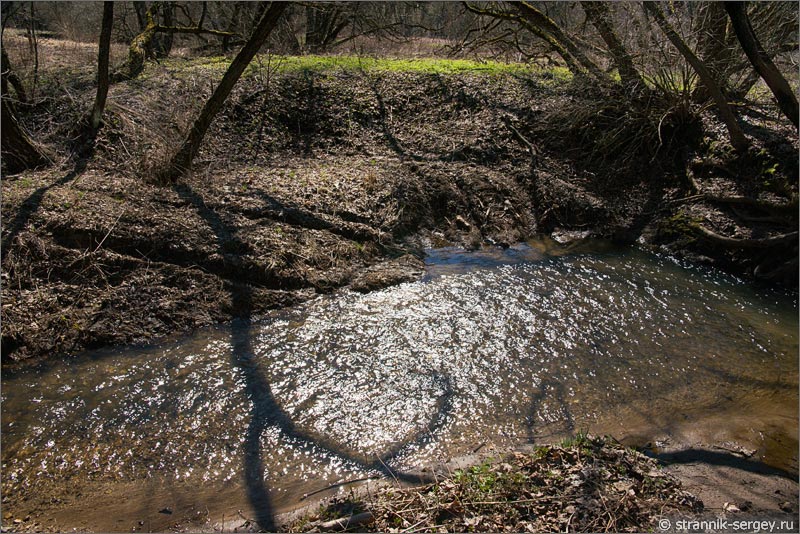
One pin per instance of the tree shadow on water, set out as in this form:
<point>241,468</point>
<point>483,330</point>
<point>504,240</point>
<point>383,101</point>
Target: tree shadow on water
<point>266,412</point>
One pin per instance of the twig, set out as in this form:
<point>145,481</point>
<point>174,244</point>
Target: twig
<point>331,486</point>
<point>109,232</point>
<point>521,138</point>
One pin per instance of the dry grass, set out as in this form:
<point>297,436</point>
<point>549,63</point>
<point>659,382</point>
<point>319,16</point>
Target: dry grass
<point>588,484</point>
<point>56,56</point>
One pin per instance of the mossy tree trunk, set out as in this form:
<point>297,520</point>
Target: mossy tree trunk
<point>738,139</point>
<point>140,48</point>
<point>182,160</point>
<point>143,45</point>
<point>761,61</point>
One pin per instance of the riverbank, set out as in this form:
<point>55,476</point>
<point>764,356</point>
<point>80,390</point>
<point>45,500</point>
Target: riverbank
<point>585,484</point>
<point>319,175</point>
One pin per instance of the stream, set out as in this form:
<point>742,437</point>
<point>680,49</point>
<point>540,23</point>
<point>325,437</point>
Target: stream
<point>491,349</point>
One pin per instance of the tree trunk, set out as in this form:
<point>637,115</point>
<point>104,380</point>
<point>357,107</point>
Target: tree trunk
<point>140,49</point>
<point>141,14</point>
<point>761,61</point>
<point>559,48</point>
<point>599,15</point>
<point>142,45</point>
<point>18,151</point>
<point>162,45</point>
<point>738,139</point>
<point>102,66</point>
<point>34,46</point>
<point>545,23</point>
<point>182,161</point>
<point>712,47</point>
<point>11,77</point>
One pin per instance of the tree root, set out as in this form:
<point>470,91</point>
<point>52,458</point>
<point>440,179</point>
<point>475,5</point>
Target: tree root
<point>738,243</point>
<point>764,205</point>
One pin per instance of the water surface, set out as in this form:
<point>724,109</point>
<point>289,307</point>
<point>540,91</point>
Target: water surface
<point>492,348</point>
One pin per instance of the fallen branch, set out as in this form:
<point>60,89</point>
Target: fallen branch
<point>521,138</point>
<point>193,31</point>
<point>344,523</point>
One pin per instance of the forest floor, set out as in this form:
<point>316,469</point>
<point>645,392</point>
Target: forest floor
<point>323,173</point>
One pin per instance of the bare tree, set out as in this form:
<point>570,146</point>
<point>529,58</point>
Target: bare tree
<point>738,139</point>
<point>539,24</point>
<point>102,67</point>
<point>761,61</point>
<point>182,160</point>
<point>142,45</point>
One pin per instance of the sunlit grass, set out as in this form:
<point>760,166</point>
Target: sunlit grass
<point>217,64</point>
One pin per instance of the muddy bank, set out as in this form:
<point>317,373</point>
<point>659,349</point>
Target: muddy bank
<point>315,180</point>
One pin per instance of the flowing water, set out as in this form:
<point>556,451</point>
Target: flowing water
<point>491,348</point>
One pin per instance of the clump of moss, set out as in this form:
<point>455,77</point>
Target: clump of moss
<point>678,226</point>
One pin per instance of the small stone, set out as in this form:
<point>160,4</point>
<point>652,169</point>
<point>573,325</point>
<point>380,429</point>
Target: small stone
<point>730,507</point>
<point>165,511</point>
<point>786,506</point>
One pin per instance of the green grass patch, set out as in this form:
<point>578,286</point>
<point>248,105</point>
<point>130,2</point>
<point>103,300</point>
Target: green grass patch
<point>218,64</point>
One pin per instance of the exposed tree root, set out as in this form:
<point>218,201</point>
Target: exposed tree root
<point>732,242</point>
<point>764,205</point>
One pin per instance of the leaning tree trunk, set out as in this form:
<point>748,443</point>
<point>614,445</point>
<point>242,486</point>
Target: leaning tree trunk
<point>531,24</point>
<point>761,61</point>
<point>545,23</point>
<point>102,67</point>
<point>143,44</point>
<point>18,151</point>
<point>600,17</point>
<point>182,161</point>
<point>738,139</point>
<point>712,48</point>
<point>140,48</point>
<point>10,75</point>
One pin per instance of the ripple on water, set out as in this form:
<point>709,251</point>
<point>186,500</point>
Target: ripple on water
<point>499,348</point>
